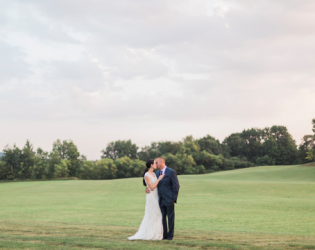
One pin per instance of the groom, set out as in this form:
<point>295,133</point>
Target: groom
<point>168,189</point>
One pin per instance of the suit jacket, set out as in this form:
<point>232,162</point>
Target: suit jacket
<point>168,187</point>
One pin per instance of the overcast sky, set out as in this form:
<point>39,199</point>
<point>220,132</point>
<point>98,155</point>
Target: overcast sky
<point>151,70</point>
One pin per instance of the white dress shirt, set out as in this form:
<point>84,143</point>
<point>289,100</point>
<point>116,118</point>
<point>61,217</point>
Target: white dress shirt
<point>163,170</point>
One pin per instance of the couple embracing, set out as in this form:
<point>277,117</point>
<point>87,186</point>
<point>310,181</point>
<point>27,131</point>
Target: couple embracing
<point>162,191</point>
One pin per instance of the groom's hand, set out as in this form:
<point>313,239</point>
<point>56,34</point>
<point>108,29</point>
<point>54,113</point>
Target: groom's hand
<point>147,190</point>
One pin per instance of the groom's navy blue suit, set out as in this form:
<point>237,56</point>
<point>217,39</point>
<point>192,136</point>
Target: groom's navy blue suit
<point>168,189</point>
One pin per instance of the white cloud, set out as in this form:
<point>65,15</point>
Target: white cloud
<point>153,70</point>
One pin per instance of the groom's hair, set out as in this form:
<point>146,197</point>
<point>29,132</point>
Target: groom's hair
<point>161,158</point>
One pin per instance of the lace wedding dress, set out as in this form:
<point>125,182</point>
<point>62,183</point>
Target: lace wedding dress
<point>151,227</point>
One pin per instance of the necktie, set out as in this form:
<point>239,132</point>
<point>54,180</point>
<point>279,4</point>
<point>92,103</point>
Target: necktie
<point>161,172</point>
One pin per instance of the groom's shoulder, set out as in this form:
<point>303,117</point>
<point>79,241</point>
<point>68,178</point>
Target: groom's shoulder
<point>172,170</point>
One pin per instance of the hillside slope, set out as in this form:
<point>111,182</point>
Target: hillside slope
<point>295,173</point>
<point>273,199</point>
<point>311,164</point>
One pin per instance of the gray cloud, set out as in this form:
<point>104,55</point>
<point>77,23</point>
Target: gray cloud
<point>208,66</point>
<point>12,63</point>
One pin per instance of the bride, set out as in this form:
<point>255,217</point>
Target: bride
<point>151,227</point>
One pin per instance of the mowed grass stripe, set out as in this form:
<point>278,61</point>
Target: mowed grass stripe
<point>254,202</point>
<point>58,236</point>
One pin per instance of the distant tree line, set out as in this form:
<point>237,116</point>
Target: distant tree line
<point>123,159</point>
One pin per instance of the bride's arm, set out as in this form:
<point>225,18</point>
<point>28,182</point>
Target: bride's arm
<point>150,185</point>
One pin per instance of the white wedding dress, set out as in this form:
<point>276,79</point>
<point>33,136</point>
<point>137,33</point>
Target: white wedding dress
<point>151,227</point>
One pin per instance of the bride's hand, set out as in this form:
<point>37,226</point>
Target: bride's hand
<point>161,177</point>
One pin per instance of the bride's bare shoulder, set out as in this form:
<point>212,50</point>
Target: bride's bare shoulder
<point>148,174</point>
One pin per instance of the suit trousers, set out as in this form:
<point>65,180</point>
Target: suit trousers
<point>169,211</point>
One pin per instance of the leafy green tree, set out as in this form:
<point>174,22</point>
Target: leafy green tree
<point>228,164</point>
<point>169,147</point>
<point>173,162</point>
<point>23,164</point>
<point>40,168</point>
<point>42,154</point>
<point>27,159</point>
<point>239,163</point>
<point>307,143</point>
<point>137,168</point>
<point>187,162</point>
<point>123,165</point>
<point>157,149</point>
<point>213,162</point>
<point>184,163</point>
<point>213,146</point>
<point>253,143</point>
<point>120,159</point>
<point>12,159</point>
<point>249,143</point>
<point>88,171</point>
<point>271,150</point>
<point>149,152</point>
<point>310,155</point>
<point>217,162</point>
<point>200,169</point>
<point>106,169</point>
<point>54,159</point>
<point>307,147</point>
<point>191,147</point>
<point>205,159</point>
<point>67,150</point>
<point>265,161</point>
<point>61,169</point>
<point>236,144</point>
<point>209,144</point>
<point>119,149</point>
<point>5,171</point>
<point>287,149</point>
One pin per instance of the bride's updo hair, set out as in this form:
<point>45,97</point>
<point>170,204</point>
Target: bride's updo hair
<point>148,164</point>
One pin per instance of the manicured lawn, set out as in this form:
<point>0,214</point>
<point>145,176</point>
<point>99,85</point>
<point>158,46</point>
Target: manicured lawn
<point>256,208</point>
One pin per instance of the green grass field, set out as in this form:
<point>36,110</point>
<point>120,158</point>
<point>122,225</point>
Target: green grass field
<point>255,208</point>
